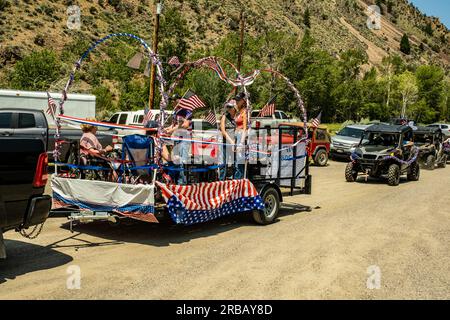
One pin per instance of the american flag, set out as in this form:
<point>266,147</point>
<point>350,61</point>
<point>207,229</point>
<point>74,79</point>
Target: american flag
<point>268,109</point>
<point>51,109</point>
<point>147,116</point>
<point>190,101</point>
<point>174,61</point>
<point>211,118</point>
<point>195,203</point>
<point>316,121</point>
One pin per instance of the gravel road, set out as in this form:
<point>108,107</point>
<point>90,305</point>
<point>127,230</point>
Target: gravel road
<point>327,253</point>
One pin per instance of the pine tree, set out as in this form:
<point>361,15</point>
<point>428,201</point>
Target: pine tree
<point>405,47</point>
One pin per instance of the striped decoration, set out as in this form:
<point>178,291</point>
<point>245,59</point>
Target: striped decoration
<point>196,203</point>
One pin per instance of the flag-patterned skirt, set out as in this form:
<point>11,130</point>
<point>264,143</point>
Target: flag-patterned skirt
<point>202,202</point>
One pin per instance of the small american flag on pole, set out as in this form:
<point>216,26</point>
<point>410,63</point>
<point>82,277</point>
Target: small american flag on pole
<point>51,109</point>
<point>147,115</point>
<point>174,61</point>
<point>211,118</point>
<point>316,121</point>
<point>268,109</point>
<point>190,101</point>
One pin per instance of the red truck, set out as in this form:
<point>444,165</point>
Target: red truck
<point>319,146</point>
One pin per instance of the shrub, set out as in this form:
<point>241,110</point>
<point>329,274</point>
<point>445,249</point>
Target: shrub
<point>36,71</point>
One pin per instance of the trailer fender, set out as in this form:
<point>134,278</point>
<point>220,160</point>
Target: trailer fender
<point>262,187</point>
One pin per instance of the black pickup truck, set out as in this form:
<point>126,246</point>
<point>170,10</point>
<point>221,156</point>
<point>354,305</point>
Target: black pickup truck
<point>23,170</point>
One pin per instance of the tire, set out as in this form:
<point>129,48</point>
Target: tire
<point>414,172</point>
<point>350,174</point>
<point>271,200</point>
<point>321,158</point>
<point>430,162</point>
<point>443,162</point>
<point>394,175</point>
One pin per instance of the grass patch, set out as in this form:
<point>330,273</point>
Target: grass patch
<point>333,127</point>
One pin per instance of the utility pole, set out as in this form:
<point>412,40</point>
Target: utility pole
<point>157,12</point>
<point>241,43</point>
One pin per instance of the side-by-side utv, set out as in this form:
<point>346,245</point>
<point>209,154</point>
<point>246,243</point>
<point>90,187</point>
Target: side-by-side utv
<point>385,151</point>
<point>429,141</point>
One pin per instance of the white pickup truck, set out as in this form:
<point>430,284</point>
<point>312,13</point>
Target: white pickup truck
<point>270,121</point>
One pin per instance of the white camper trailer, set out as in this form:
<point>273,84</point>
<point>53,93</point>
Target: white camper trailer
<point>76,105</point>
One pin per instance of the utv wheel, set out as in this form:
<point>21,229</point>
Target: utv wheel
<point>350,173</point>
<point>430,162</point>
<point>414,172</point>
<point>443,162</point>
<point>271,201</point>
<point>321,158</point>
<point>394,175</point>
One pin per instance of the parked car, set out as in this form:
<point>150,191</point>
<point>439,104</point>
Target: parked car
<point>272,121</point>
<point>23,170</point>
<point>319,145</point>
<point>382,152</point>
<point>346,139</point>
<point>130,118</point>
<point>445,128</point>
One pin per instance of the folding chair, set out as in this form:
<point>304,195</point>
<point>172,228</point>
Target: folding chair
<point>137,157</point>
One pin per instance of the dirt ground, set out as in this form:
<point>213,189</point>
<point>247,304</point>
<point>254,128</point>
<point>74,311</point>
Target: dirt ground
<point>326,253</point>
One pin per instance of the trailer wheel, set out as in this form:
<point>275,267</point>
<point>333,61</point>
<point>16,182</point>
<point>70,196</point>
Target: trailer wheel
<point>272,206</point>
<point>321,158</point>
<point>393,175</point>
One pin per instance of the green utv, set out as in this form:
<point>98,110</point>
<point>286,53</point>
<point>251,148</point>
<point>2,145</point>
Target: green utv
<point>385,151</point>
<point>429,140</point>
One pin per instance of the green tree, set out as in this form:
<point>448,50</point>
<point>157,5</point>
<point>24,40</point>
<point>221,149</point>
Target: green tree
<point>36,71</point>
<point>407,88</point>
<point>430,84</point>
<point>405,47</point>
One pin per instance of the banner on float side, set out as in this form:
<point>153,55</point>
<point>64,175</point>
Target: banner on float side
<point>134,201</point>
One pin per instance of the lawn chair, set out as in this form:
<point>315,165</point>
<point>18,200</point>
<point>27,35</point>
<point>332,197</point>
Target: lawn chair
<point>137,158</point>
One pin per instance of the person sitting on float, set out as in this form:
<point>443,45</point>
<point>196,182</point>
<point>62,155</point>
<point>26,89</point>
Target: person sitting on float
<point>89,143</point>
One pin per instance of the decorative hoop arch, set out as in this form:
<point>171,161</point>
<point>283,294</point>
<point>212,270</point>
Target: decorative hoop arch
<point>150,54</point>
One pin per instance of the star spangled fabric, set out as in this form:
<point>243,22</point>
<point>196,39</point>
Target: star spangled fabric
<point>147,115</point>
<point>211,118</point>
<point>51,105</point>
<point>190,101</point>
<point>316,121</point>
<point>196,203</point>
<point>269,108</point>
<point>174,61</point>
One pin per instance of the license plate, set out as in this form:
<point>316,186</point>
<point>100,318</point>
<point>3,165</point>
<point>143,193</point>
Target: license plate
<point>339,151</point>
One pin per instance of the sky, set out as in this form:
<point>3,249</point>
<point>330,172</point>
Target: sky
<point>437,8</point>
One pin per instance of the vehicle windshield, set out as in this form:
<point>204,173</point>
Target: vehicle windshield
<point>350,132</point>
<point>423,138</point>
<point>380,139</point>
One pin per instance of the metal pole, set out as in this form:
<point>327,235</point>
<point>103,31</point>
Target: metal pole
<point>241,43</point>
<point>157,12</point>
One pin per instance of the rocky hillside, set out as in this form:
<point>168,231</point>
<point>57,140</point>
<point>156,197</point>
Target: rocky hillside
<point>338,24</point>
